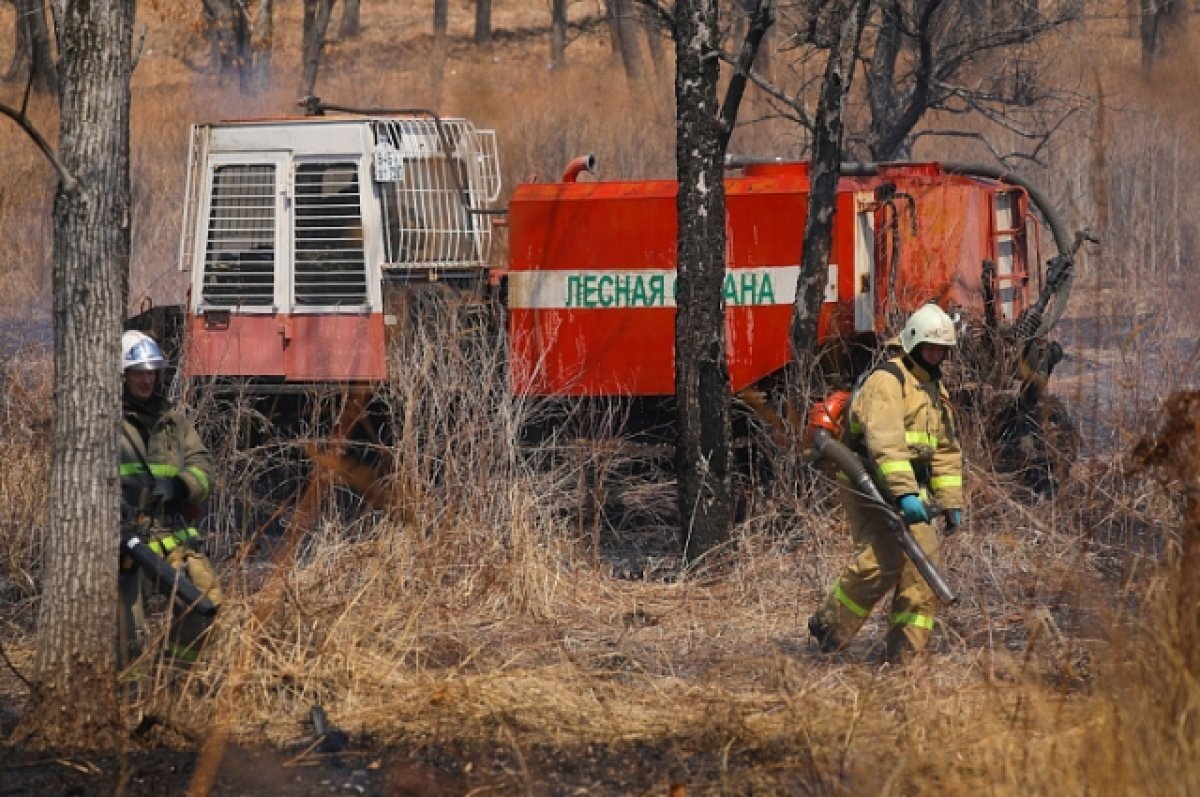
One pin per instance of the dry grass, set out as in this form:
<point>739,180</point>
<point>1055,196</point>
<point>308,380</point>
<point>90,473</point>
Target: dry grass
<point>477,615</point>
<point>477,610</point>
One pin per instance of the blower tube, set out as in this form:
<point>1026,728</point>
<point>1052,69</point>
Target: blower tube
<point>167,579</point>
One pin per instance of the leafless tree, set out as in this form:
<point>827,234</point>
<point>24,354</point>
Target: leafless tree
<point>1160,23</point>
<point>624,29</point>
<point>350,27</point>
<point>558,33</point>
<point>824,172</point>
<point>960,57</point>
<point>703,456</point>
<point>743,11</point>
<point>704,462</point>
<point>653,30</point>
<point>316,25</point>
<point>33,55</point>
<point>240,38</point>
<point>72,703</point>
<point>441,18</point>
<point>483,22</point>
<point>264,37</point>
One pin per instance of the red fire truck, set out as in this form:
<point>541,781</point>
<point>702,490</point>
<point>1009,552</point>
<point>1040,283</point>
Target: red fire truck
<point>304,239</point>
<point>591,269</point>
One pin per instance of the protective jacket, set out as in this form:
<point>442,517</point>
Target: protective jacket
<point>902,417</point>
<point>158,442</point>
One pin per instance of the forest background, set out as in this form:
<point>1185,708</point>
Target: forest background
<point>489,619</point>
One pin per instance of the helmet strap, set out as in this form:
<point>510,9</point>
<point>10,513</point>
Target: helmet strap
<point>914,358</point>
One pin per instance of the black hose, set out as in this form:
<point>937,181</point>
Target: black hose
<point>167,579</point>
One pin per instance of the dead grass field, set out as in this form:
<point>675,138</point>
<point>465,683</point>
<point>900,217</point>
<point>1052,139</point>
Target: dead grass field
<point>478,614</point>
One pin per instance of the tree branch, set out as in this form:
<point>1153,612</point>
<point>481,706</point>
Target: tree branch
<point>919,97</point>
<point>70,185</point>
<point>796,106</point>
<point>1041,137</point>
<point>664,15</point>
<point>761,18</point>
<point>981,138</point>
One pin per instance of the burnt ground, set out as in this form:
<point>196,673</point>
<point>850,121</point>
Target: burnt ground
<point>427,771</point>
<point>419,770</point>
<point>243,771</point>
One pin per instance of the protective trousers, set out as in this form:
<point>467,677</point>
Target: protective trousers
<point>188,630</point>
<point>879,567</point>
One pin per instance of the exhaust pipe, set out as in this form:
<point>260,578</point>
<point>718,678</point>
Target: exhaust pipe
<point>584,163</point>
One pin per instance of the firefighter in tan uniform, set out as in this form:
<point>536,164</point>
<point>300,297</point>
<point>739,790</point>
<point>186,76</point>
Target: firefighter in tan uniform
<point>902,422</point>
<point>165,478</point>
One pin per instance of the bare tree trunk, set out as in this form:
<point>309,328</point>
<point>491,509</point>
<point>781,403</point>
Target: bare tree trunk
<point>614,34</point>
<point>264,39</point>
<point>1162,23</point>
<point>240,40</point>
<point>483,22</point>
<point>558,33</point>
<point>882,91</point>
<point>316,24</point>
<point>73,700</point>
<point>228,34</point>
<point>703,459</point>
<point>652,27</point>
<point>824,172</point>
<point>32,47</point>
<point>1148,32</point>
<point>761,18</point>
<point>625,40</point>
<point>763,64</point>
<point>20,55</point>
<point>441,17</point>
<point>350,27</point>
<point>896,111</point>
<point>746,11</point>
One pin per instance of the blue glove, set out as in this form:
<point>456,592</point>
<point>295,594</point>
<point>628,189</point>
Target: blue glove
<point>914,509</point>
<point>953,520</point>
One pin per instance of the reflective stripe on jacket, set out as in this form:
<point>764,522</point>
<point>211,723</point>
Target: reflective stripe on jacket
<point>173,449</point>
<point>909,433</point>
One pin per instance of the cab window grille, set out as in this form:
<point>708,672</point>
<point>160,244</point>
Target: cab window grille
<point>430,178</point>
<point>239,254</point>
<point>330,268</point>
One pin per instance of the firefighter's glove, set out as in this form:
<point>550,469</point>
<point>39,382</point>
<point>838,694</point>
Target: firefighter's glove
<point>914,509</point>
<point>953,520</point>
<point>172,492</point>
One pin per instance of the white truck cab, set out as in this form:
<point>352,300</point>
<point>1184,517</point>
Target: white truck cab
<point>293,228</point>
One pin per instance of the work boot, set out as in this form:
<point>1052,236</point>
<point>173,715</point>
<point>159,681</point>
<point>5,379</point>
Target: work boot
<point>823,634</point>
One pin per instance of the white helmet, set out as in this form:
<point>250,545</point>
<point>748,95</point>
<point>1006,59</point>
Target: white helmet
<point>141,353</point>
<point>930,324</point>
